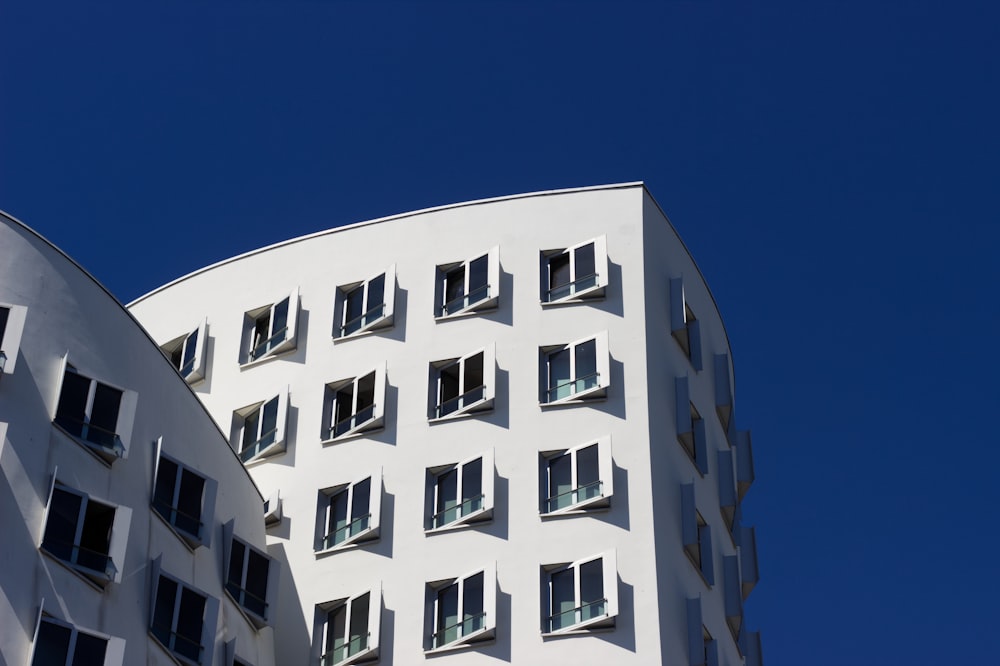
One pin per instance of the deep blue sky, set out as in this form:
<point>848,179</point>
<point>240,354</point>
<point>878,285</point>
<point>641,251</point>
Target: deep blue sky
<point>833,167</point>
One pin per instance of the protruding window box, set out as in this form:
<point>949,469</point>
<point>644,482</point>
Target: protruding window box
<point>251,578</point>
<point>187,353</point>
<point>460,494</point>
<point>574,274</point>
<point>462,386</point>
<point>580,596</point>
<point>258,430</point>
<point>368,305</point>
<point>577,480</point>
<point>348,514</point>
<point>184,499</point>
<point>460,612</point>
<point>574,372</point>
<point>97,416</point>
<point>468,287</point>
<point>346,631</point>
<point>354,406</point>
<point>270,330</point>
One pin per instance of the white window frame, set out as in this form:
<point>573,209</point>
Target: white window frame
<point>691,433</point>
<point>257,619</point>
<point>370,533</point>
<point>483,513</point>
<point>253,350</point>
<point>369,320</point>
<point>114,650</point>
<point>263,446</point>
<point>605,489</point>
<point>684,326</point>
<point>350,426</point>
<point>486,298</point>
<point>696,535</point>
<point>321,627</point>
<point>272,509</point>
<point>478,399</point>
<point>580,287</point>
<point>469,632</point>
<point>598,390</point>
<point>118,543</point>
<point>209,492</point>
<point>123,427</point>
<point>197,343</point>
<point>209,620</point>
<point>10,337</point>
<point>609,572</point>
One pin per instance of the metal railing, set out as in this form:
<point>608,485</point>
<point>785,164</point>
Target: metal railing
<point>564,290</point>
<point>572,387</point>
<point>344,649</point>
<point>257,447</point>
<point>185,522</point>
<point>188,367</point>
<point>189,648</point>
<point>568,618</point>
<point>342,534</point>
<point>362,320</point>
<point>101,438</point>
<point>269,344</point>
<point>463,301</point>
<point>460,402</point>
<point>247,599</point>
<point>351,422</point>
<point>451,514</point>
<point>453,632</point>
<point>84,558</point>
<point>574,496</point>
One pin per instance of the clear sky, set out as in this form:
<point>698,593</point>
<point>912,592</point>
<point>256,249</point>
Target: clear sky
<point>833,167</point>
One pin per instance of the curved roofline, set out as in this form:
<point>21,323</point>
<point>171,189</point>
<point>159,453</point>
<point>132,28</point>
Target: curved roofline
<point>143,331</point>
<point>390,218</point>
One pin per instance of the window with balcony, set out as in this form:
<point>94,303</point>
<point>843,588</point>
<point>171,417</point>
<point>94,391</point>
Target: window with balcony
<point>574,372</point>
<point>184,499</point>
<point>460,493</point>
<point>461,386</point>
<point>183,619</point>
<point>349,513</point>
<point>460,612</point>
<point>258,430</point>
<point>574,273</point>
<point>578,479</point>
<point>690,426</point>
<point>59,643</point>
<point>187,353</point>
<point>96,415</point>
<point>684,326</point>
<point>86,534</point>
<point>696,535</point>
<point>347,630</point>
<point>366,305</point>
<point>581,595</point>
<point>270,330</point>
<point>468,286</point>
<point>354,405</point>
<point>249,577</point>
<point>11,329</point>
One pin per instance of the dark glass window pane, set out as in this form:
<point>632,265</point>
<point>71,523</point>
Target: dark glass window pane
<point>591,581</point>
<point>280,317</point>
<point>449,383</point>
<point>163,611</point>
<point>189,624</point>
<point>89,650</point>
<point>366,391</point>
<point>472,479</point>
<point>454,285</point>
<point>60,528</point>
<point>559,372</point>
<point>354,302</point>
<point>563,593</point>
<point>52,645</point>
<point>447,614</point>
<point>189,502</point>
<point>473,372</point>
<point>336,627</point>
<point>376,292</point>
<point>261,328</point>
<point>70,413</point>
<point>344,407</point>
<point>95,540</point>
<point>559,273</point>
<point>4,313</point>
<point>472,604</point>
<point>257,568</point>
<point>586,466</point>
<point>584,261</point>
<point>586,359</point>
<point>166,482</point>
<point>250,427</point>
<point>270,417</point>
<point>177,357</point>
<point>478,274</point>
<point>189,348</point>
<point>359,620</point>
<point>338,511</point>
<point>361,499</point>
<point>236,555</point>
<point>447,490</point>
<point>560,478</point>
<point>104,414</point>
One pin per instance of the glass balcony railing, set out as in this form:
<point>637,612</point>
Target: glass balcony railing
<point>572,387</point>
<point>361,321</point>
<point>247,599</point>
<point>185,522</point>
<point>187,647</point>
<point>575,287</point>
<point>457,403</point>
<point>344,649</point>
<point>257,447</point>
<point>574,496</point>
<point>454,632</point>
<point>578,615</point>
<point>264,348</point>
<point>451,514</point>
<point>353,421</point>
<point>463,301</point>
<point>342,534</point>
<point>107,441</point>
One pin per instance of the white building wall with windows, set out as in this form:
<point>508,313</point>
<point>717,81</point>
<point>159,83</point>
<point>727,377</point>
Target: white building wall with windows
<point>92,417</point>
<point>576,334</point>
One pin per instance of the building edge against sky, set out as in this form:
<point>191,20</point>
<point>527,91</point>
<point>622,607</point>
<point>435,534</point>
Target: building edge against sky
<point>498,430</point>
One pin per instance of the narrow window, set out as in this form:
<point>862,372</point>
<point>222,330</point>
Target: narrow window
<point>345,630</point>
<point>366,305</point>
<point>178,619</point>
<point>258,430</point>
<point>458,493</point>
<point>575,370</point>
<point>352,405</point>
<point>79,531</point>
<point>346,514</point>
<point>247,578</point>
<point>578,272</point>
<point>573,478</point>
<point>460,385</point>
<point>178,496</point>
<point>88,410</point>
<point>469,286</point>
<point>459,610</point>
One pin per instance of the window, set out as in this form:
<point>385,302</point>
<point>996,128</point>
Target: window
<point>575,273</point>
<point>465,385</point>
<point>88,535</point>
<point>733,594</point>
<point>347,629</point>
<point>59,643</point>
<point>348,513</point>
<point>690,426</point>
<point>697,535</point>
<point>459,493</point>
<point>187,353</point>
<point>728,503</point>
<point>683,325</point>
<point>184,499</point>
<point>574,372</point>
<point>248,577</point>
<point>723,391</point>
<point>460,612</point>
<point>581,595</point>
<point>95,414</point>
<point>744,462</point>
<point>259,429</point>
<point>272,510</point>
<point>577,479</point>
<point>703,650</point>
<point>11,329</point>
<point>468,286</point>
<point>270,330</point>
<point>183,619</point>
<point>353,406</point>
<point>366,305</point>
<point>746,539</point>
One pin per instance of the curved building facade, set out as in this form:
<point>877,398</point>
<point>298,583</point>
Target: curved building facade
<point>498,431</point>
<point>132,532</point>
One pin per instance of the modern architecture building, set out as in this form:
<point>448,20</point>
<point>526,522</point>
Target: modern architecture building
<point>497,431</point>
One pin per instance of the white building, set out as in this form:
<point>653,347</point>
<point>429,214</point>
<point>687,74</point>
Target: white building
<point>132,533</point>
<point>497,431</point>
